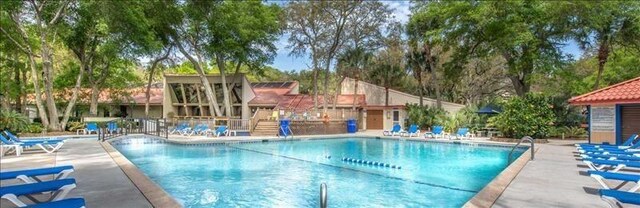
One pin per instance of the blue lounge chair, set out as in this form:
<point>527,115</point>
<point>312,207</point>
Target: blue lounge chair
<point>91,127</point>
<point>60,189</point>
<point>195,130</point>
<point>436,131</point>
<point>17,139</point>
<point>31,175</point>
<point>616,198</point>
<point>65,203</point>
<point>204,128</point>
<point>19,146</point>
<point>606,165</point>
<point>611,157</point>
<point>462,133</point>
<point>625,177</point>
<point>413,130</point>
<point>221,130</point>
<point>397,129</point>
<point>627,143</point>
<point>611,148</point>
<point>112,127</point>
<point>179,128</point>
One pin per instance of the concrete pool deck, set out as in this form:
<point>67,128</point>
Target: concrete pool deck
<point>99,179</point>
<point>553,179</point>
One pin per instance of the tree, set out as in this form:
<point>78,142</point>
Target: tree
<point>389,64</point>
<point>526,34</point>
<point>242,32</point>
<point>600,26</point>
<point>44,17</point>
<point>352,63</point>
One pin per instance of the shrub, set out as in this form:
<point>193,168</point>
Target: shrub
<point>530,115</point>
<point>574,132</point>
<point>75,125</point>
<point>426,116</point>
<point>13,121</point>
<point>32,128</point>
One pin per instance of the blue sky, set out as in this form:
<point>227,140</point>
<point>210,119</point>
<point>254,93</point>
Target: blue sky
<point>401,13</point>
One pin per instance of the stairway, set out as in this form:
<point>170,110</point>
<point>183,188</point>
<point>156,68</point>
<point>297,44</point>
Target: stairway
<point>266,128</point>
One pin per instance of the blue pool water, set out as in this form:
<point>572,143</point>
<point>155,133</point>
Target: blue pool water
<point>289,174</point>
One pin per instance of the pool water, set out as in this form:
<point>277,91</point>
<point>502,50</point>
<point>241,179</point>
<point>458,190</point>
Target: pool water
<point>289,174</point>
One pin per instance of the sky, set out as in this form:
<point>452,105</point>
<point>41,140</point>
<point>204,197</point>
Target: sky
<point>401,13</point>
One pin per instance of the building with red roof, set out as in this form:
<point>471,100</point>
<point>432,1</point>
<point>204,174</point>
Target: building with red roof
<point>613,112</point>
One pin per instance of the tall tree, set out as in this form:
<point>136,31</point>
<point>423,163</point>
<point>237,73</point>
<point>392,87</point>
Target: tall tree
<point>389,64</point>
<point>352,63</point>
<point>242,32</point>
<point>308,30</point>
<point>44,17</point>
<point>599,26</point>
<point>526,34</point>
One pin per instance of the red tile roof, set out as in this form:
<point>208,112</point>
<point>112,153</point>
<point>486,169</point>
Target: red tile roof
<point>622,93</point>
<point>305,102</point>
<point>133,95</point>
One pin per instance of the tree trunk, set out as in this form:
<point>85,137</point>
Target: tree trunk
<point>23,92</point>
<point>152,69</point>
<point>36,87</point>
<point>335,94</point>
<point>93,106</point>
<point>519,85</point>
<point>603,55</point>
<point>434,73</point>
<point>420,84</point>
<point>355,93</point>
<point>315,83</point>
<point>325,104</point>
<point>214,109</point>
<point>225,89</point>
<point>386,96</point>
<point>20,89</point>
<point>47,68</point>
<point>72,101</point>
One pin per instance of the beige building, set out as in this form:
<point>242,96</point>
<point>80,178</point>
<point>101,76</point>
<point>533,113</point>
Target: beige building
<point>184,96</point>
<point>375,115</point>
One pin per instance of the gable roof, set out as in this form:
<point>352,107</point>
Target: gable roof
<point>622,93</point>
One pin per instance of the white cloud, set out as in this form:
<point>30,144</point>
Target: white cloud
<point>400,9</point>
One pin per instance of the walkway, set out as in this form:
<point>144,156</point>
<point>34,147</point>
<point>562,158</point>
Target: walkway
<point>100,181</point>
<point>554,179</point>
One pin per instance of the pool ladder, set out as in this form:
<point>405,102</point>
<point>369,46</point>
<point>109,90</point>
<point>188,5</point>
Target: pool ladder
<point>323,195</point>
<point>525,138</point>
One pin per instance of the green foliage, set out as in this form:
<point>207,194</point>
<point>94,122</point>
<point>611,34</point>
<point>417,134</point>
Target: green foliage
<point>530,115</point>
<point>13,121</point>
<point>74,125</point>
<point>32,128</point>
<point>567,132</point>
<point>426,116</point>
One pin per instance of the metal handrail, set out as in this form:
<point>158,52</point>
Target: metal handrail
<point>323,195</point>
<point>525,138</point>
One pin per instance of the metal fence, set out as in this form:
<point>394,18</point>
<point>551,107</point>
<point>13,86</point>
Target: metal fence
<point>235,124</point>
<point>149,126</point>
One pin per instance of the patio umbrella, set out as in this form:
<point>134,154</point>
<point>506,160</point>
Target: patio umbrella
<point>489,109</point>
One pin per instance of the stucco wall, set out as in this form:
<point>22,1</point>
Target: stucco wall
<point>375,95</point>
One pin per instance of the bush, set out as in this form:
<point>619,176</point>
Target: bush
<point>74,126</point>
<point>531,115</point>
<point>426,116</point>
<point>32,128</point>
<point>13,121</point>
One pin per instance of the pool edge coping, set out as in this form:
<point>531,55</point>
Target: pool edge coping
<point>494,189</point>
<point>155,194</point>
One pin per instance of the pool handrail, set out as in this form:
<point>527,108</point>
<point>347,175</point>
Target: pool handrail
<point>323,195</point>
<point>525,138</point>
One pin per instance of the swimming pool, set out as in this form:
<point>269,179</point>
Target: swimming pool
<point>289,173</point>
